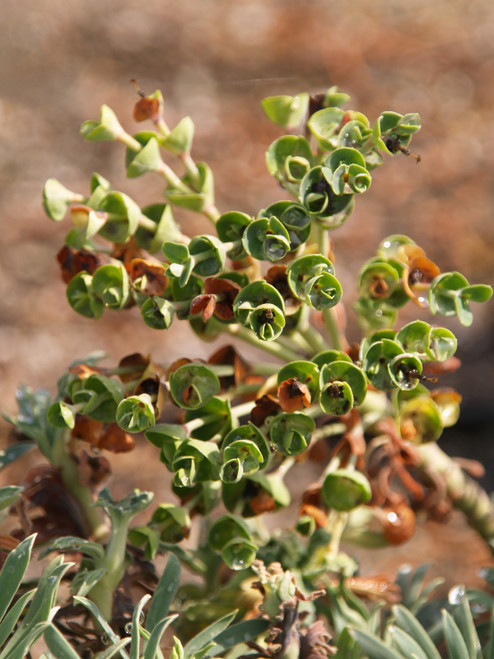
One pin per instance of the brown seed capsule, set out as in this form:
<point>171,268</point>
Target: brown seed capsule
<point>398,524</point>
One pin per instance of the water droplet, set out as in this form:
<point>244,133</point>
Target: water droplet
<point>456,595</point>
<point>379,313</point>
<point>405,569</point>
<point>128,628</point>
<point>386,244</point>
<point>238,564</point>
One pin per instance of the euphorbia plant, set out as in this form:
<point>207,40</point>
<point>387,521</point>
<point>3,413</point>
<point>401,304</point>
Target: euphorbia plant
<point>229,430</point>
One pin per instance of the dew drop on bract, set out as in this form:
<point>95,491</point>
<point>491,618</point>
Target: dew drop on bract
<point>456,595</point>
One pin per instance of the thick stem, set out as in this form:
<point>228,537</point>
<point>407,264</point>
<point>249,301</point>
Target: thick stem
<point>103,592</point>
<point>95,518</point>
<point>465,493</point>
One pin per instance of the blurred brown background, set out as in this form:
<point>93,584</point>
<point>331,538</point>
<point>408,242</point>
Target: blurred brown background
<point>215,60</point>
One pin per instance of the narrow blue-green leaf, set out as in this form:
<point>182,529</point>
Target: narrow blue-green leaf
<point>409,623</point>
<point>25,642</point>
<point>152,647</point>
<point>207,635</point>
<point>164,593</point>
<point>42,604</point>
<point>57,644</point>
<point>454,640</point>
<point>246,630</point>
<point>463,618</point>
<point>114,649</point>
<point>11,453</point>
<point>8,495</point>
<point>10,619</point>
<point>99,618</point>
<point>490,654</point>
<point>406,643</point>
<point>375,648</point>
<point>13,572</point>
<point>71,543</point>
<point>136,618</point>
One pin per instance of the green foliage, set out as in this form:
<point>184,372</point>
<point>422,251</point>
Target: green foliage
<point>230,432</point>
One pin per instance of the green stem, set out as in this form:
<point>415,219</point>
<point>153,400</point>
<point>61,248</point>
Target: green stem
<point>94,517</point>
<point>332,327</point>
<point>465,493</point>
<point>314,339</point>
<point>103,592</point>
<point>328,431</point>
<point>129,141</point>
<point>172,179</point>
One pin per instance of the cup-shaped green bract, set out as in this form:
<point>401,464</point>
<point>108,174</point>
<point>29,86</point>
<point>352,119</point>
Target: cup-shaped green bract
<point>111,284</point>
<point>157,312</point>
<point>328,356</point>
<point>266,321</point>
<point>256,494</point>
<point>450,294</point>
<point>392,131</point>
<point>325,125</point>
<point>323,291</point>
<point>343,385</point>
<point>231,536</point>
<point>290,432</point>
<point>172,521</point>
<point>200,193</point>
<point>166,228</point>
<point>288,159</point>
<point>260,307</point>
<point>195,461</point>
<point>239,554</point>
<point>241,458</point>
<point>420,419</point>
<point>303,371</point>
<point>123,216</point>
<point>97,396</point>
<point>247,433</point>
<point>107,129</point>
<point>266,239</point>
<point>185,294</point>
<point>57,199</point>
<point>389,247</point>
<point>82,298</point>
<point>205,256</point>
<point>294,217</point>
<point>347,171</point>
<point>167,437</point>
<point>374,314</point>
<point>311,279</point>
<point>193,385</point>
<point>61,415</point>
<point>230,228</point>
<point>286,111</point>
<point>209,255</point>
<point>179,140</point>
<point>217,419</point>
<point>135,413</point>
<point>147,159</point>
<point>344,490</point>
<point>376,363</point>
<point>448,403</point>
<point>226,528</point>
<point>380,281</point>
<point>317,195</point>
<point>405,371</point>
<point>435,343</point>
